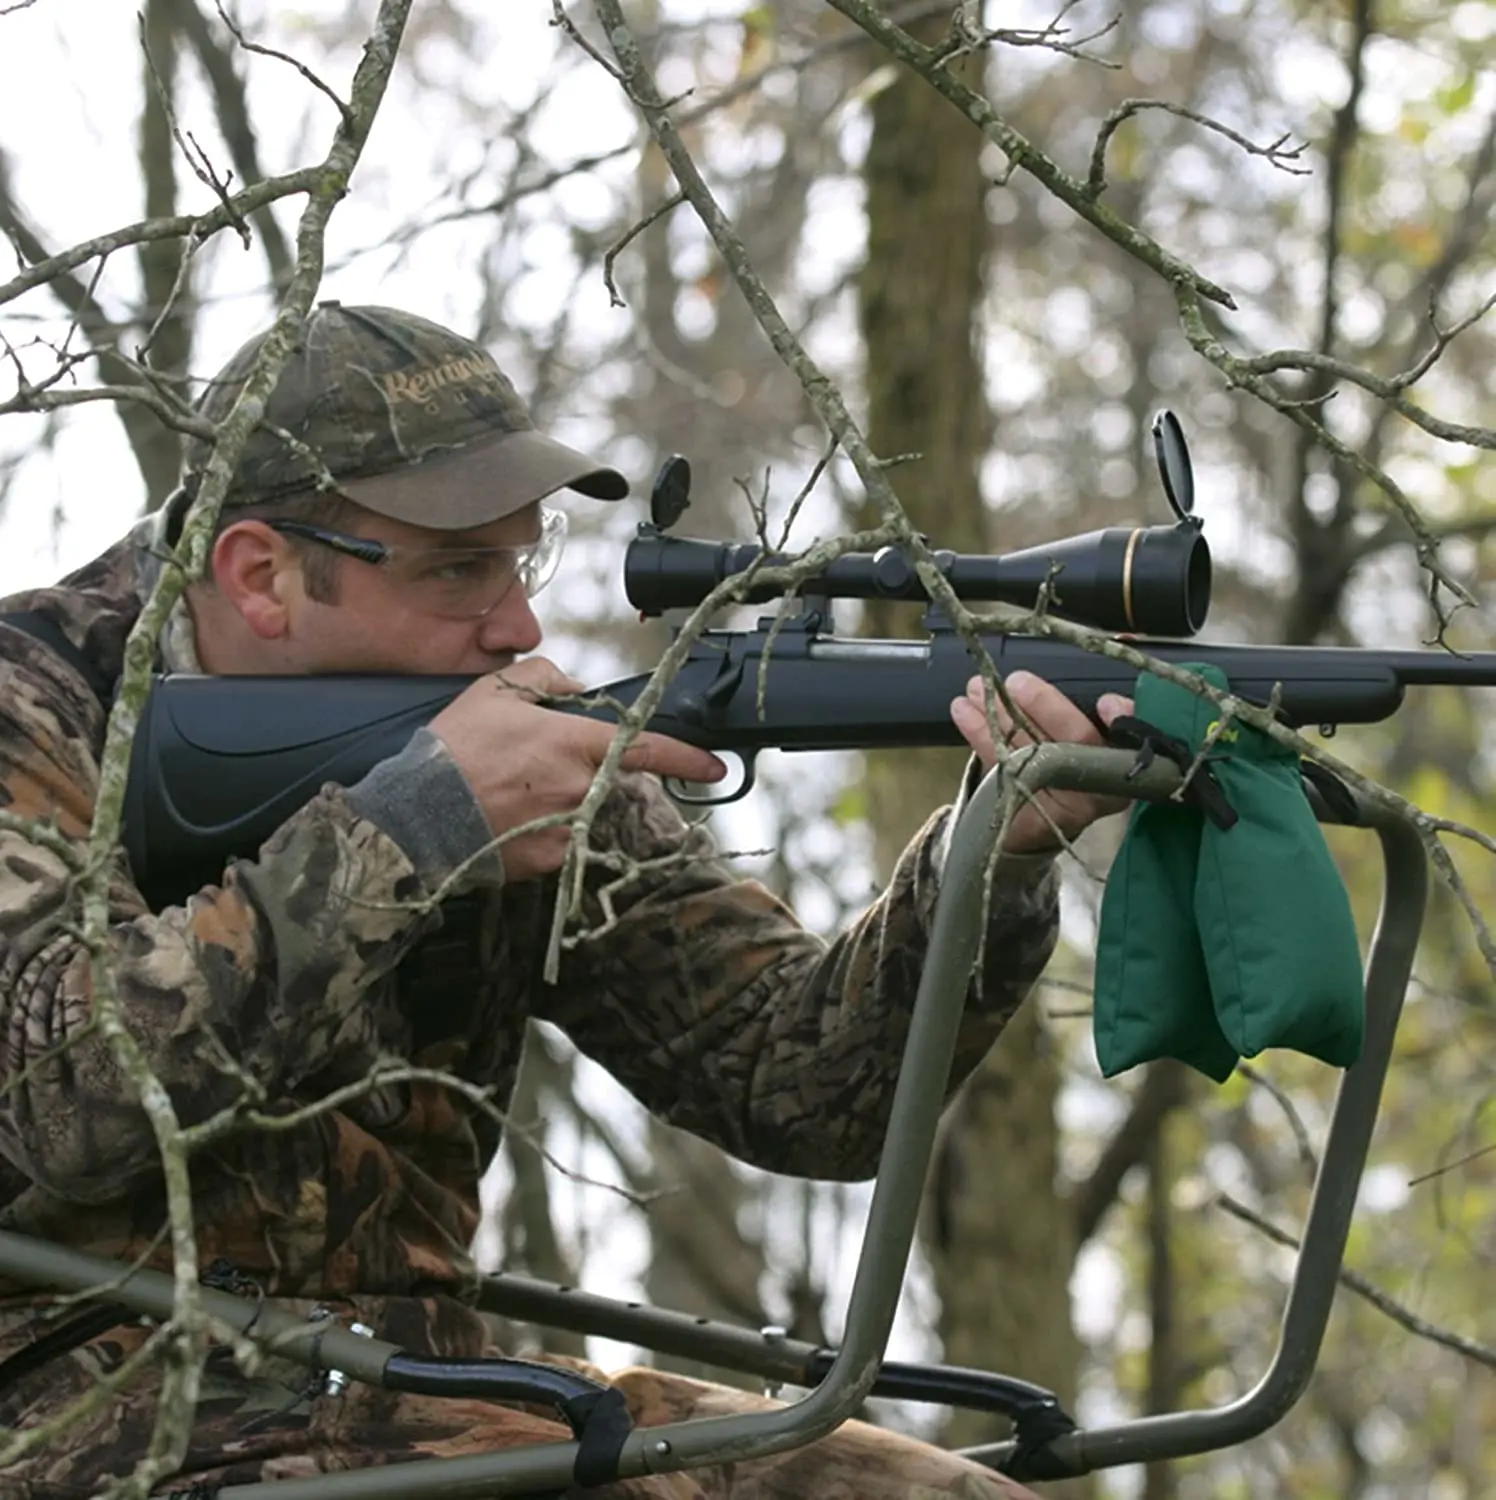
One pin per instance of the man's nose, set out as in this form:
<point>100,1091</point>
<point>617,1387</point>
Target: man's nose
<point>511,625</point>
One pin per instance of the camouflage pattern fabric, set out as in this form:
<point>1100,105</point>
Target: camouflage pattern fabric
<point>376,391</point>
<point>697,989</point>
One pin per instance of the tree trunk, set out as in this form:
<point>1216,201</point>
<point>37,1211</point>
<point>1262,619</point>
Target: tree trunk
<point>166,313</point>
<point>998,1232</point>
<point>701,1261</point>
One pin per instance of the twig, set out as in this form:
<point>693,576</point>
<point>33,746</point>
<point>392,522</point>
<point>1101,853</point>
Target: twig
<point>178,288</point>
<point>1307,1157</point>
<point>231,105</point>
<point>1449,1166</point>
<point>350,122</point>
<point>44,831</point>
<point>182,1376</point>
<point>785,613</point>
<point>1239,373</point>
<point>631,871</point>
<point>1389,390</point>
<point>1279,155</point>
<point>1443,337</point>
<point>192,153</point>
<point>173,415</point>
<point>1372,1294</point>
<point>385,1071</point>
<point>1023,153</point>
<point>227,214</point>
<point>618,245</point>
<point>969,35</point>
<point>105,1388</point>
<point>564,22</point>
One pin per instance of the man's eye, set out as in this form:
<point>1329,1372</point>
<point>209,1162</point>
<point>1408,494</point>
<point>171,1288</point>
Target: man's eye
<point>456,569</point>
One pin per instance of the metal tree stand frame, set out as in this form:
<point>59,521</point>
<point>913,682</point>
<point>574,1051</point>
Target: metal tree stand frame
<point>1048,1443</point>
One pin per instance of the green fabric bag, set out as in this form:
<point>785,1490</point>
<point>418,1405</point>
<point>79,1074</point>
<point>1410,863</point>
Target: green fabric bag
<point>1217,942</point>
<point>1152,987</point>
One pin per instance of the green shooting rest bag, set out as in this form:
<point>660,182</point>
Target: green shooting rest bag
<point>1216,942</point>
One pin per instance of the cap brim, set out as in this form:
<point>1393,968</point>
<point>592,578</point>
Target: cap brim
<point>484,481</point>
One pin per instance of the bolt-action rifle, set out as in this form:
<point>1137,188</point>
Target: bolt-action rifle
<point>219,763</point>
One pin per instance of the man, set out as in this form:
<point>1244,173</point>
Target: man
<point>306,966</point>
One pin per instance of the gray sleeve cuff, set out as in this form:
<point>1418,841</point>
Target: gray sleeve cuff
<point>421,799</point>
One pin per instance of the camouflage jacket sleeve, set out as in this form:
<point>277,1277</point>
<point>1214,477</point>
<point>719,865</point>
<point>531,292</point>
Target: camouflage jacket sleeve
<point>707,999</point>
<point>267,969</point>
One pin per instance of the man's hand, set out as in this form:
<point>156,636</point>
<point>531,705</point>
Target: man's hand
<point>1051,819</point>
<point>524,761</point>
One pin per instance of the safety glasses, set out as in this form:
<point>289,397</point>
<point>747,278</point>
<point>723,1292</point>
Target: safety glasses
<point>455,583</point>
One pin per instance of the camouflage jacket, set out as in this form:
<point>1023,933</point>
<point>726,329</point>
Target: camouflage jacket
<point>699,991</point>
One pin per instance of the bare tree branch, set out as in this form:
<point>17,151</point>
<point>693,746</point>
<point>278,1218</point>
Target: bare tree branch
<point>160,112</point>
<point>1388,390</point>
<point>190,1332</point>
<point>232,107</point>
<point>1372,1294</point>
<point>169,413</point>
<point>349,122</point>
<point>1308,1158</point>
<point>969,35</point>
<point>1277,152</point>
<point>47,268</point>
<point>1237,373</point>
<point>154,448</point>
<point>16,1445</point>
<point>1023,153</point>
<point>1450,1166</point>
<point>1471,224</point>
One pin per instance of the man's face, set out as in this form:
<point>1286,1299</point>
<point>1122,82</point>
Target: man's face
<point>379,623</point>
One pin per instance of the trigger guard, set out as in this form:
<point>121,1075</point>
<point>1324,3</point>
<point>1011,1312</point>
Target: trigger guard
<point>706,794</point>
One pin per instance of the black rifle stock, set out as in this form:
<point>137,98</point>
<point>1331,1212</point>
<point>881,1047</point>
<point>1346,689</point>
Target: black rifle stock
<point>219,763</point>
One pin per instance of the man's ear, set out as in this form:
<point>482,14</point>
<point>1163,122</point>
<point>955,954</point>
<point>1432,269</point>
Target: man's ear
<point>257,571</point>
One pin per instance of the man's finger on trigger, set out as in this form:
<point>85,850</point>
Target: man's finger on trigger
<point>663,756</point>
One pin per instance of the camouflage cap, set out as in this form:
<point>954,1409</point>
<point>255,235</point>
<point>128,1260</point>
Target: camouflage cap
<point>410,419</point>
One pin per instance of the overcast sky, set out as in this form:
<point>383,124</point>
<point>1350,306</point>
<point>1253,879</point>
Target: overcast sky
<point>69,102</point>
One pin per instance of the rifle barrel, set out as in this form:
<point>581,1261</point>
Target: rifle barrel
<point>1443,668</point>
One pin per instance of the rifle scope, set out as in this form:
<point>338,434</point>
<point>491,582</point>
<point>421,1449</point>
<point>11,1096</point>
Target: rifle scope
<point>1150,580</point>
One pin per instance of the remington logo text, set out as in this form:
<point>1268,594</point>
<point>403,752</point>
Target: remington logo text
<point>422,387</point>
